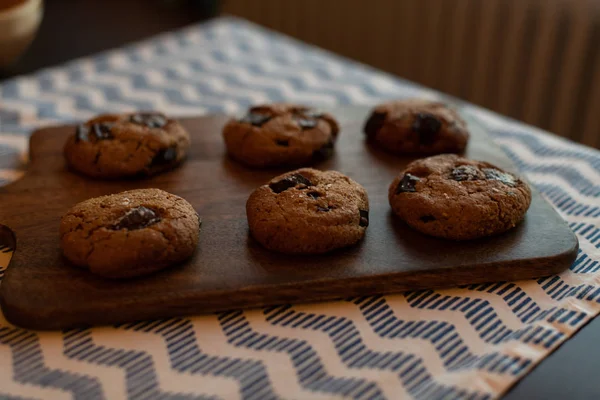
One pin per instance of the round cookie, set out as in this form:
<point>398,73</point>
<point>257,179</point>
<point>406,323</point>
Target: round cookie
<point>281,134</point>
<point>118,146</point>
<point>417,127</point>
<point>308,212</point>
<point>130,234</point>
<point>456,198</point>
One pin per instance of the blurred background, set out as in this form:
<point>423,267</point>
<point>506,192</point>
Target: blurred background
<point>537,61</point>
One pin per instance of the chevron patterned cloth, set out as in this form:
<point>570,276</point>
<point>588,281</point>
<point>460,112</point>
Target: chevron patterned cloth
<point>471,342</point>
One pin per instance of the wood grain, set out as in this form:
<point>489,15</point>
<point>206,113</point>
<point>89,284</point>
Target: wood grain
<point>41,291</point>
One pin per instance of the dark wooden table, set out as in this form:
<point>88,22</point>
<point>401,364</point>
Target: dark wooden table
<point>570,373</point>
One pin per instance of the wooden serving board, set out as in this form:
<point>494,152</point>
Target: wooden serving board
<point>42,291</point>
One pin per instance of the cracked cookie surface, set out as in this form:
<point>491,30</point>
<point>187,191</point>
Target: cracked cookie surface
<point>130,234</point>
<point>456,198</point>
<point>281,134</point>
<point>417,127</point>
<point>114,146</point>
<point>308,212</point>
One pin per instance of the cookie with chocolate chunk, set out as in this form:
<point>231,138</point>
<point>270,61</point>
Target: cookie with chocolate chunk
<point>308,212</point>
<point>456,198</point>
<point>417,127</point>
<point>129,145</point>
<point>281,135</point>
<point>130,234</point>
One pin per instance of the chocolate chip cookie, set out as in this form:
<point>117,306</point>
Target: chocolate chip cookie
<point>281,134</point>
<point>118,146</point>
<point>308,212</point>
<point>457,198</point>
<point>417,127</point>
<point>130,234</point>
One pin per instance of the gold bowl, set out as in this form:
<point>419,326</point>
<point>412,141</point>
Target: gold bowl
<point>18,27</point>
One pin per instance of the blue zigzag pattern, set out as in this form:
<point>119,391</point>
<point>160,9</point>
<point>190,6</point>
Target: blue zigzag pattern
<point>288,71</point>
<point>588,231</point>
<point>355,354</point>
<point>527,310</point>
<point>141,379</point>
<point>186,356</point>
<point>279,46</point>
<point>535,144</point>
<point>584,264</point>
<point>290,78</point>
<point>210,98</point>
<point>243,41</point>
<point>479,313</point>
<point>444,336</point>
<point>29,367</point>
<point>558,289</point>
<point>567,204</point>
<point>351,75</point>
<point>113,92</point>
<point>575,178</point>
<point>311,371</point>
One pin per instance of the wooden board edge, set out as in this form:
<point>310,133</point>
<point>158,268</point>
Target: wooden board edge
<point>29,316</point>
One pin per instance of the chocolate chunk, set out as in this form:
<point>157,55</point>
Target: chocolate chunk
<point>263,109</point>
<point>427,218</point>
<point>427,127</point>
<point>282,142</point>
<point>374,123</point>
<point>82,133</point>
<point>102,130</point>
<point>314,195</point>
<point>137,218</point>
<point>466,173</point>
<point>256,119</point>
<point>301,179</point>
<point>311,113</point>
<point>323,153</point>
<point>496,175</point>
<point>97,131</point>
<point>306,123</point>
<point>308,118</point>
<point>364,218</point>
<point>407,184</point>
<point>151,120</point>
<point>164,156</point>
<point>324,209</point>
<point>289,182</point>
